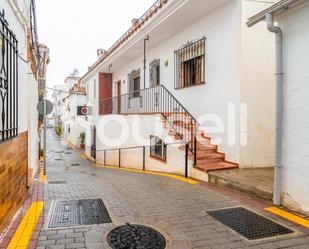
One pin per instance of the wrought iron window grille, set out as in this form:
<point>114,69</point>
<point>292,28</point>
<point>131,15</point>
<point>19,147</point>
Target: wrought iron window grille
<point>8,81</point>
<point>190,64</point>
<point>158,148</point>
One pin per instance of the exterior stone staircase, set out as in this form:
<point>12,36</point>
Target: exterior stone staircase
<point>208,157</point>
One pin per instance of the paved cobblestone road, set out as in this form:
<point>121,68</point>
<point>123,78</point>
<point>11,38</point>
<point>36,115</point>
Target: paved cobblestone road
<point>176,209</point>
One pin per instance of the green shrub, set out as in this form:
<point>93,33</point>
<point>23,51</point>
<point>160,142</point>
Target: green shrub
<point>82,137</point>
<point>58,130</point>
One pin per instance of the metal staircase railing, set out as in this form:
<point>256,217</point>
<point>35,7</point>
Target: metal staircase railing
<point>156,100</point>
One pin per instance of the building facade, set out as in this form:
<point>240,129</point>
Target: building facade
<point>73,122</point>
<point>292,91</point>
<point>19,139</point>
<point>200,73</point>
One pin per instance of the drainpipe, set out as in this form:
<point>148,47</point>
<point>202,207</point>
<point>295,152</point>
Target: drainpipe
<point>145,40</point>
<point>279,107</point>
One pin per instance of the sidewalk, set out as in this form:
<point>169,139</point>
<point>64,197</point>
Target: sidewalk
<point>175,208</point>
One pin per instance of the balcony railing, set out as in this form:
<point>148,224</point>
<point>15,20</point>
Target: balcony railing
<point>156,100</point>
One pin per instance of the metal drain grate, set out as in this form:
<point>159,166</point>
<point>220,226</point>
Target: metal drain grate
<point>59,152</point>
<point>75,164</point>
<point>79,212</point>
<point>58,159</point>
<point>249,224</point>
<point>57,182</point>
<point>136,236</point>
<point>68,153</point>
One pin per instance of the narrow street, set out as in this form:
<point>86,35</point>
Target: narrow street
<point>174,208</point>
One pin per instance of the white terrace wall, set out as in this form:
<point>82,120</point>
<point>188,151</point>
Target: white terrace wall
<point>115,131</point>
<point>295,172</point>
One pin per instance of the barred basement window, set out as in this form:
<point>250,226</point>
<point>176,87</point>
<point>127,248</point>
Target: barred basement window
<point>8,81</point>
<point>134,83</point>
<point>154,73</point>
<point>157,148</point>
<point>190,64</point>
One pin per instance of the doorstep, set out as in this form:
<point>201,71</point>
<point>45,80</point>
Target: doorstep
<point>254,181</point>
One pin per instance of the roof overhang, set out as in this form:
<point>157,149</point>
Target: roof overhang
<point>167,23</point>
<point>275,9</point>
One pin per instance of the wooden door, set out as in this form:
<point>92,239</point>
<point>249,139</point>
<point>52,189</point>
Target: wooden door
<point>118,86</point>
<point>105,93</point>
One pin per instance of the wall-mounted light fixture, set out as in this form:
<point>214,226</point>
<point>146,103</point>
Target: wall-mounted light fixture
<point>166,63</point>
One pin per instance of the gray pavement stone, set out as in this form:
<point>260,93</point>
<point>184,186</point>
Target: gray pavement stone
<point>174,208</point>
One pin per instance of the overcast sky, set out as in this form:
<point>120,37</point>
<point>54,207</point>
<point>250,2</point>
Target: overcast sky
<point>75,29</point>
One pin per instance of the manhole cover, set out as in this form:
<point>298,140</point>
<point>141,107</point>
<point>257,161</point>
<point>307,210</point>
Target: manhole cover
<point>135,236</point>
<point>79,212</point>
<point>249,224</point>
<point>57,182</point>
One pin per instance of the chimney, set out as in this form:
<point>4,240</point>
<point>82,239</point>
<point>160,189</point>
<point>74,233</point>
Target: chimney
<point>134,22</point>
<point>101,52</point>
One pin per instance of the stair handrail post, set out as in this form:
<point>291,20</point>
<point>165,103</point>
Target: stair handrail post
<point>186,160</point>
<point>144,158</point>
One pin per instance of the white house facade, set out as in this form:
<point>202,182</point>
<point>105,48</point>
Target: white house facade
<point>60,92</point>
<point>199,68</point>
<point>73,124</point>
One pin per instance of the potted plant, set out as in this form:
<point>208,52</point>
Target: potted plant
<point>82,137</point>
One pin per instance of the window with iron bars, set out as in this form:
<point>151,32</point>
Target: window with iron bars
<point>158,148</point>
<point>154,73</point>
<point>190,64</point>
<point>8,81</point>
<point>134,83</point>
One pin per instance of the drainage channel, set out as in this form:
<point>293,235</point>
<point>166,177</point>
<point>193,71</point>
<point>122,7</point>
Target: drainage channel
<point>249,224</point>
<point>79,212</point>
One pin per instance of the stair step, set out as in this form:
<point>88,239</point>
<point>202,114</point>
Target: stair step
<point>203,149</point>
<point>201,157</point>
<point>209,160</point>
<point>216,166</point>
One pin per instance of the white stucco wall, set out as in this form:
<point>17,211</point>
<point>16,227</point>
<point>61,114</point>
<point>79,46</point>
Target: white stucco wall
<point>295,174</point>
<point>32,122</point>
<point>257,89</point>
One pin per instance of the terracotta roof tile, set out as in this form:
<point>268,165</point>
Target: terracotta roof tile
<point>139,23</point>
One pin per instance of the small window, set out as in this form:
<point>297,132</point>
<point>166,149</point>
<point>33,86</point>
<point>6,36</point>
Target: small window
<point>190,64</point>
<point>134,84</point>
<point>154,73</point>
<point>157,148</point>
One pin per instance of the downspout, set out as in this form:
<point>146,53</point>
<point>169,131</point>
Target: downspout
<point>279,107</point>
<point>145,40</point>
